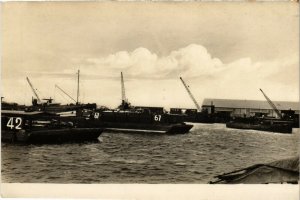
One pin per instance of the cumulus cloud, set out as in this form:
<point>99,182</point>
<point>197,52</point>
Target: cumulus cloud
<point>191,61</point>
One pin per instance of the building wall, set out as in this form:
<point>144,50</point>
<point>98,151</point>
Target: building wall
<point>244,112</point>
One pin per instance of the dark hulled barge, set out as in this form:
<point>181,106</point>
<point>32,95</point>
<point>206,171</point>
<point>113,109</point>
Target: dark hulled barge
<point>41,127</point>
<point>135,120</point>
<point>282,123</point>
<point>261,124</point>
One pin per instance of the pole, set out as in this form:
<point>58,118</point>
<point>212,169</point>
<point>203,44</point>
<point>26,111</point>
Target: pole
<point>77,102</point>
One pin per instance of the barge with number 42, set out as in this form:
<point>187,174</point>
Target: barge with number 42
<point>41,127</point>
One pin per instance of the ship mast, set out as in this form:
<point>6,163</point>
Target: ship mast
<point>124,100</point>
<point>78,87</point>
<point>271,104</point>
<point>191,95</point>
<point>33,90</point>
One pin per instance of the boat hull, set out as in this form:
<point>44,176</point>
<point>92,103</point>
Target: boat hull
<point>64,135</point>
<point>279,128</point>
<point>136,127</point>
<point>148,128</point>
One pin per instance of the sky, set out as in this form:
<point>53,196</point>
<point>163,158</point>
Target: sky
<point>221,50</point>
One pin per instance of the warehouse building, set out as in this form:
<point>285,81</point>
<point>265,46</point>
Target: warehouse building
<point>248,108</point>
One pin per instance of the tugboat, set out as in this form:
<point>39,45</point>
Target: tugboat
<point>41,127</point>
<point>280,124</point>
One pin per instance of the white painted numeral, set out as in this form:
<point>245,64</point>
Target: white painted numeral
<point>10,123</point>
<point>96,115</point>
<point>18,122</point>
<point>157,118</point>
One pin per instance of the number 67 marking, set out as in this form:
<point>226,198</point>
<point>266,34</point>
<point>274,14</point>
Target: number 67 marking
<point>157,118</point>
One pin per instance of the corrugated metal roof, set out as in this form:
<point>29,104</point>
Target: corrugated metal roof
<point>254,104</point>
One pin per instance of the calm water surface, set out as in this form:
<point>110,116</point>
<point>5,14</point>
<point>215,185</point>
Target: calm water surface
<point>208,150</point>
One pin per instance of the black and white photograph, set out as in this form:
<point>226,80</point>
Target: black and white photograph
<point>112,92</point>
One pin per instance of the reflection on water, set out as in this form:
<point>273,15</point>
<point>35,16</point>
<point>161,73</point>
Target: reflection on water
<point>208,150</point>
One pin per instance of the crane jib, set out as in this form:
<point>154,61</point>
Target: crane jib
<point>190,94</point>
<point>271,104</point>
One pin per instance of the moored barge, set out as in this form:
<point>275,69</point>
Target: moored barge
<point>135,120</point>
<point>41,127</point>
<point>270,125</point>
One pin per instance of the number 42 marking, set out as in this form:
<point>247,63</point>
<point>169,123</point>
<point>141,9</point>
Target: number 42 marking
<point>18,122</point>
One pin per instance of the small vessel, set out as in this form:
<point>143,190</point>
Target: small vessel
<point>270,125</point>
<point>280,171</point>
<point>47,104</point>
<point>40,127</point>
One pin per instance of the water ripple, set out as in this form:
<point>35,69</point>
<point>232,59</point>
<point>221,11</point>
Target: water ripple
<point>208,150</point>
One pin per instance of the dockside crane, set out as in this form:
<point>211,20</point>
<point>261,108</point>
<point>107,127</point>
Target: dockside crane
<point>190,94</point>
<point>33,90</point>
<point>271,104</point>
<point>65,93</point>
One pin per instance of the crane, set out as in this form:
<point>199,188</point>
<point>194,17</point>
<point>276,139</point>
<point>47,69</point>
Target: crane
<point>191,95</point>
<point>65,93</point>
<point>33,90</point>
<point>271,104</point>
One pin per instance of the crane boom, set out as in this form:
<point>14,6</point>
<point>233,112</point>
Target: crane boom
<point>33,90</point>
<point>191,95</point>
<point>123,88</point>
<point>65,93</point>
<point>271,104</point>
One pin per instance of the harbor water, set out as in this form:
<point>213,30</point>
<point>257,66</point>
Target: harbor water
<point>196,157</point>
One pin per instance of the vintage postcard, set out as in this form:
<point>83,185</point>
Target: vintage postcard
<point>150,100</point>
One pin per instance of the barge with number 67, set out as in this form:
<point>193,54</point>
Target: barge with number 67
<point>139,121</point>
